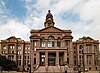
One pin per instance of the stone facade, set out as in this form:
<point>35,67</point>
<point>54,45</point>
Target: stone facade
<point>16,49</point>
<point>87,50</point>
<point>51,49</point>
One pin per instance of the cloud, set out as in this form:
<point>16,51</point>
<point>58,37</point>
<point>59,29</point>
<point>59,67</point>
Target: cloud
<point>90,10</point>
<point>81,16</point>
<point>14,28</point>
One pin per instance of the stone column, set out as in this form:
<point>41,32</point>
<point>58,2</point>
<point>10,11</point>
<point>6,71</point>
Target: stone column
<point>93,59</point>
<point>38,58</point>
<point>57,58</point>
<point>65,56</point>
<point>46,57</point>
<point>85,59</point>
<point>46,43</point>
<point>55,43</point>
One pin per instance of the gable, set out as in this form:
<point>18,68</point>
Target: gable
<point>51,30</point>
<point>12,39</point>
<point>89,40</point>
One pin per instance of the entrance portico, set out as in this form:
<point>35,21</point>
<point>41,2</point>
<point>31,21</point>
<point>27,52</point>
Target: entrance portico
<point>52,58</point>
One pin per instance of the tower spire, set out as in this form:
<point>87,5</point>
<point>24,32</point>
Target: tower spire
<point>49,20</point>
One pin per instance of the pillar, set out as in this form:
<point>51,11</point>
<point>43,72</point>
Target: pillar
<point>46,57</point>
<point>57,58</point>
<point>55,43</point>
<point>65,56</point>
<point>38,58</point>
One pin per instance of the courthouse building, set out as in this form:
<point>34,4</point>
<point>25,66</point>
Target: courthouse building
<point>50,49</point>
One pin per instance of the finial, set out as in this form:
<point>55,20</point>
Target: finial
<point>49,11</point>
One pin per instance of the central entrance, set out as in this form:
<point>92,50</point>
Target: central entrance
<point>51,59</point>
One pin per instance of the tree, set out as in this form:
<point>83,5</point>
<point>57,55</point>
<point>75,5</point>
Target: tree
<point>7,64</point>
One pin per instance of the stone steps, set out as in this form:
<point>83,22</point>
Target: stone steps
<point>50,69</point>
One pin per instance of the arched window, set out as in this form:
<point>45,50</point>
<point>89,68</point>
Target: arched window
<point>43,42</point>
<point>50,41</point>
<point>58,42</point>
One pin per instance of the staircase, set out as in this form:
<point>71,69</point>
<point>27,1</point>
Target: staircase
<point>51,69</point>
<point>40,69</point>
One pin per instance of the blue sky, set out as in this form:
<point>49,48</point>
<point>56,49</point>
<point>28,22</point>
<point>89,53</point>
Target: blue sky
<point>18,17</point>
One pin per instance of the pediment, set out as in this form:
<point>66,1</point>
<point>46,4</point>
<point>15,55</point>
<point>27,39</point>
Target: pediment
<point>51,30</point>
<point>12,39</point>
<point>89,39</point>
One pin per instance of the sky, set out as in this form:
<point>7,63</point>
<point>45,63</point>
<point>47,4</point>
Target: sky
<point>19,17</point>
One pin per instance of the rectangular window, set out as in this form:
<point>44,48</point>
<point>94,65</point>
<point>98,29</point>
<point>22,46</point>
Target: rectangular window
<point>24,62</point>
<point>89,59</point>
<point>51,44</point>
<point>74,62</point>
<point>68,60</point>
<point>42,44</point>
<point>80,52</point>
<point>80,56</point>
<point>34,60</point>
<point>19,62</point>
<point>42,59</point>
<point>28,57</point>
<point>25,57</point>
<point>88,48</point>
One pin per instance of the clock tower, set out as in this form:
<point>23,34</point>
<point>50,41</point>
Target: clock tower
<point>49,20</point>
